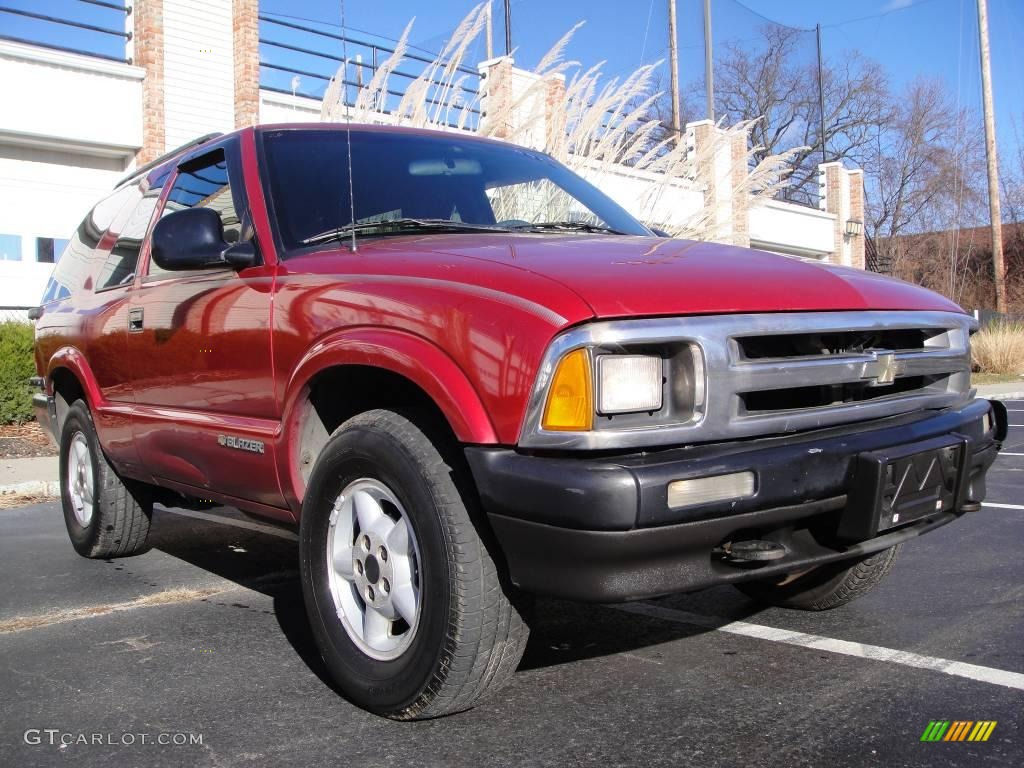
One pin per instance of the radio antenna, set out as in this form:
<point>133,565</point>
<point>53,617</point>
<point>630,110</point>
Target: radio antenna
<point>348,127</point>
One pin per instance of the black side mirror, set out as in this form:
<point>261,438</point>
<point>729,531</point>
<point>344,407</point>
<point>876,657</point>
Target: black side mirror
<point>241,254</point>
<point>193,238</point>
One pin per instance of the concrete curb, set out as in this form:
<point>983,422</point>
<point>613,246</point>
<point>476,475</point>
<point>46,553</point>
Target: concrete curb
<point>49,488</point>
<point>1017,395</point>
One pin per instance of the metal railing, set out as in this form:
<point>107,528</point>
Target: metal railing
<point>873,260</point>
<point>301,60</point>
<point>92,33</point>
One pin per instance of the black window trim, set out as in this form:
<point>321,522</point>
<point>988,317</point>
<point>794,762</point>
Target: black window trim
<point>230,147</point>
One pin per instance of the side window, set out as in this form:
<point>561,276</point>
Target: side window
<point>204,184</point>
<point>130,228</point>
<point>79,261</point>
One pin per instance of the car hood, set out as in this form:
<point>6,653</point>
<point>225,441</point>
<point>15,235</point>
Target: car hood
<point>621,276</point>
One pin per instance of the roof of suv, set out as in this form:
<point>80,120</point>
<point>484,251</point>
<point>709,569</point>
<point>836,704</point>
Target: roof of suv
<point>174,154</point>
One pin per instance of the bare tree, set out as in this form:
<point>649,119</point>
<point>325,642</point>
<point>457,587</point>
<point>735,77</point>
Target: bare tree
<point>923,172</point>
<point>774,79</point>
<point>1011,179</point>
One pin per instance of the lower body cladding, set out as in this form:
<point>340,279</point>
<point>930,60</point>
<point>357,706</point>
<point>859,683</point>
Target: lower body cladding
<point>622,527</point>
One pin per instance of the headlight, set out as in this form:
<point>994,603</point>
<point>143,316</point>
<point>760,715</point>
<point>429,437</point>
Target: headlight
<point>629,383</point>
<point>628,391</point>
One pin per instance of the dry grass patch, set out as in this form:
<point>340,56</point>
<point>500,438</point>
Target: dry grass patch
<point>168,596</point>
<point>15,500</point>
<point>999,348</point>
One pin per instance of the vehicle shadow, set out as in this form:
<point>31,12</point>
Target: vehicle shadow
<point>562,632</point>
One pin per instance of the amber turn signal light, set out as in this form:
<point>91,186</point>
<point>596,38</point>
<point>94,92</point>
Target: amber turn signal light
<point>570,405</point>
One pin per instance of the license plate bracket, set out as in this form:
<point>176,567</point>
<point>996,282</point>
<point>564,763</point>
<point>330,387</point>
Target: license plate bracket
<point>902,484</point>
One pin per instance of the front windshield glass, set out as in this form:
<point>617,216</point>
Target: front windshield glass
<point>410,182</point>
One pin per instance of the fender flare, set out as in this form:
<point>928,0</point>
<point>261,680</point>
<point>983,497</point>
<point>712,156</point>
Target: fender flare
<point>420,361</point>
<point>73,360</point>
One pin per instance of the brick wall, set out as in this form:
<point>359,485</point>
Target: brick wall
<point>855,179</point>
<point>703,133</point>
<point>496,82</point>
<point>555,114</point>
<point>245,21</point>
<point>740,202</point>
<point>148,53</point>
<point>832,199</point>
<point>842,194</point>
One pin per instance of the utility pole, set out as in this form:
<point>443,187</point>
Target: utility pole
<point>990,154</point>
<point>508,27</point>
<point>821,95</point>
<point>490,32</point>
<point>709,70</point>
<point>673,57</point>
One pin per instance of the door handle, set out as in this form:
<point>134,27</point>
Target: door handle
<point>135,320</point>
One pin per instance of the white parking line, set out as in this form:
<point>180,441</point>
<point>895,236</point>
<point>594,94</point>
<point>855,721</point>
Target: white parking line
<point>860,650</point>
<point>1003,453</point>
<point>1001,506</point>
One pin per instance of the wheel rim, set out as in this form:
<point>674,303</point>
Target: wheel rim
<point>80,479</point>
<point>373,569</point>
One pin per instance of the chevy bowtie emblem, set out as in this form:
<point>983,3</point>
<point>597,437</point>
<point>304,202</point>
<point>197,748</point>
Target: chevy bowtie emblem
<point>882,370</point>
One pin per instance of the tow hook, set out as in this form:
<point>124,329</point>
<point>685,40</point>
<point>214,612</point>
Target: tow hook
<point>754,551</point>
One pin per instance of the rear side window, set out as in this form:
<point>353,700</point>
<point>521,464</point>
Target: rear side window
<point>87,248</point>
<point>204,184</point>
<point>123,259</point>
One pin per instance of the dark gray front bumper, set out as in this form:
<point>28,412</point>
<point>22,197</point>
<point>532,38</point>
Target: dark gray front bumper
<point>600,528</point>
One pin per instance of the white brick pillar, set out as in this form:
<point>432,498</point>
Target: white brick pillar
<point>842,194</point>
<point>721,170</point>
<point>855,179</point>
<point>496,97</point>
<point>740,214</point>
<point>520,106</point>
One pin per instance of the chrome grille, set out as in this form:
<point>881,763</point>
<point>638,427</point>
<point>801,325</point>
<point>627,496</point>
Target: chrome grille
<point>780,373</point>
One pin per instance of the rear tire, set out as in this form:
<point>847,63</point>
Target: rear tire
<point>457,635</point>
<point>105,516</point>
<point>826,587</point>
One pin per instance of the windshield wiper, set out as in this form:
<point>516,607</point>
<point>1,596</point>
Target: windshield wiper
<point>569,226</point>
<point>394,226</point>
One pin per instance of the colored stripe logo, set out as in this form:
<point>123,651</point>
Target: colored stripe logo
<point>958,730</point>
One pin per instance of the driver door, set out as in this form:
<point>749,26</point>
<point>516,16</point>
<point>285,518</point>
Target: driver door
<point>199,353</point>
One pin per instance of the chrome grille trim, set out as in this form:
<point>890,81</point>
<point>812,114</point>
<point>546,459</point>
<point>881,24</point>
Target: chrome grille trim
<point>728,375</point>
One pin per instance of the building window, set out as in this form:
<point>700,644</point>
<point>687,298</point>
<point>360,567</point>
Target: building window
<point>10,247</point>
<point>49,249</point>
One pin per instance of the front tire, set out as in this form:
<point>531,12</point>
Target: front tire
<point>105,516</point>
<point>406,603</point>
<point>826,587</point>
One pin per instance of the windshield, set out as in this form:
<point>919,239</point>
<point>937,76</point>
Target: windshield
<point>409,182</point>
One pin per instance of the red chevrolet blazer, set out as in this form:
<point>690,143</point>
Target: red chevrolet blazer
<point>465,375</point>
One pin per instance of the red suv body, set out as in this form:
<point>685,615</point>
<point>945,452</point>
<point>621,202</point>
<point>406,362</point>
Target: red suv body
<point>731,416</point>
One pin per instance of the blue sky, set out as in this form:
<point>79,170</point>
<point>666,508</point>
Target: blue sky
<point>909,37</point>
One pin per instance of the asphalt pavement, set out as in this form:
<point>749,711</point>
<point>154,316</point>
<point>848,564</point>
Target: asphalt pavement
<point>197,653</point>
